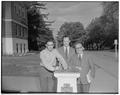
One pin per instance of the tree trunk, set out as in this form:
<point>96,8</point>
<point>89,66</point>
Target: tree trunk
<point>97,46</point>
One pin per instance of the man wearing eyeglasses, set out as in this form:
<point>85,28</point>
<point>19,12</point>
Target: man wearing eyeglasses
<point>48,66</point>
<point>82,61</point>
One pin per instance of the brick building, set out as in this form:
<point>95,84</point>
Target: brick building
<point>14,28</point>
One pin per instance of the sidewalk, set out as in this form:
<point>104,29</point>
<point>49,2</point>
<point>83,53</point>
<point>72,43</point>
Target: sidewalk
<point>106,79</point>
<point>104,83</point>
<point>106,61</point>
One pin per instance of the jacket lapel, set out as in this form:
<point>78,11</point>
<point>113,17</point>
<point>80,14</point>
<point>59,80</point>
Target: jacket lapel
<point>78,62</point>
<point>71,52</point>
<point>62,52</point>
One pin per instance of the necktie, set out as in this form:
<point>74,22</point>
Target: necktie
<point>66,52</point>
<point>80,59</point>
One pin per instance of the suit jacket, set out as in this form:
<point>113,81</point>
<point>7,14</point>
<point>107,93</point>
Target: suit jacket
<point>86,65</point>
<point>71,53</point>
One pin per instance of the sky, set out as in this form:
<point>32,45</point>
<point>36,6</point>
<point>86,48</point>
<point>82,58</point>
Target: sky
<point>72,11</point>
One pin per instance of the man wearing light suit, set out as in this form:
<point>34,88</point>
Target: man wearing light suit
<point>84,63</point>
<point>66,51</point>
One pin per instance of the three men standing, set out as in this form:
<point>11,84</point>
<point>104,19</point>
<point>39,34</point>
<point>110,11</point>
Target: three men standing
<point>68,58</point>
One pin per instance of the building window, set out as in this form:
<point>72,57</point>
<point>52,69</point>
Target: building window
<point>19,11</point>
<point>26,33</point>
<point>17,30</point>
<point>14,28</point>
<point>15,9</point>
<point>23,32</point>
<point>24,47</point>
<point>17,47</point>
<point>21,47</point>
<point>23,12</point>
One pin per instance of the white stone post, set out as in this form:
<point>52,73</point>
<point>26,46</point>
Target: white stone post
<point>67,81</point>
<point>115,42</point>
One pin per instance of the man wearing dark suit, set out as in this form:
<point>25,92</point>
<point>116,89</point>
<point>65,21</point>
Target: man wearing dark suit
<point>84,63</point>
<point>66,51</point>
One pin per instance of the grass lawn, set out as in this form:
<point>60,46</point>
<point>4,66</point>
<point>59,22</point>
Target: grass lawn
<point>29,59</point>
<point>24,65</point>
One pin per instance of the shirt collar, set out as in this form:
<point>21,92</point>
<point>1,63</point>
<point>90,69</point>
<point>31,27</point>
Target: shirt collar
<point>48,50</point>
<point>68,47</point>
<point>80,55</point>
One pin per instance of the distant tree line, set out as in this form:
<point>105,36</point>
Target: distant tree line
<point>99,34</point>
<point>102,31</point>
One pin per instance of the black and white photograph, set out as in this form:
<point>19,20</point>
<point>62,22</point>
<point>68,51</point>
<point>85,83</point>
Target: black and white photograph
<point>60,47</point>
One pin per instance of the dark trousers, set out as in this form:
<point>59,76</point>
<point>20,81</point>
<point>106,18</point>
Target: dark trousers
<point>83,88</point>
<point>46,80</point>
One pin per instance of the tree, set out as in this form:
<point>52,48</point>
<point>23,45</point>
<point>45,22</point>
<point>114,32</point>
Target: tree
<point>74,30</point>
<point>38,28</point>
<point>111,12</point>
<point>96,33</point>
<point>103,31</point>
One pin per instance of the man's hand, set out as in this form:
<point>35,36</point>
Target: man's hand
<point>65,67</point>
<point>58,68</point>
<point>78,68</point>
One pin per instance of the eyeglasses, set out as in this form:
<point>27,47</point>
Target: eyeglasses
<point>79,48</point>
<point>50,45</point>
<point>66,41</point>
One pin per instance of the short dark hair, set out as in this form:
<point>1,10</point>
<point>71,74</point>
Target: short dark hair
<point>50,40</point>
<point>66,37</point>
<point>78,42</point>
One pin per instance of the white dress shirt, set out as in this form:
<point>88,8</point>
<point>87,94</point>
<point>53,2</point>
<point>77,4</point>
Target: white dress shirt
<point>68,47</point>
<point>81,55</point>
<point>48,59</point>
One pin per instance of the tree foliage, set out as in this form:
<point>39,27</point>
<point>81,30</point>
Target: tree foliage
<point>38,30</point>
<point>111,12</point>
<point>74,30</point>
<point>103,31</point>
